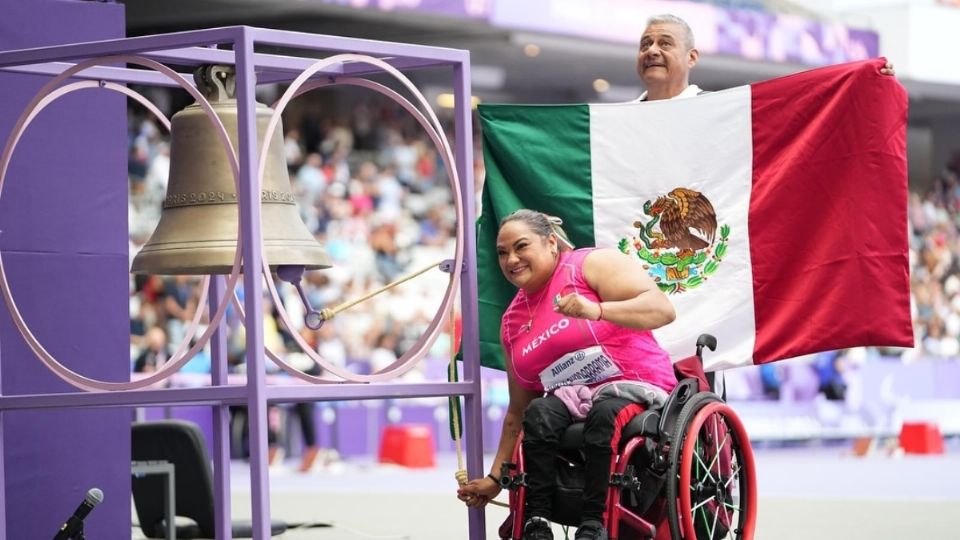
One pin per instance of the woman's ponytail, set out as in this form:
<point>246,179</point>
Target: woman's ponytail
<point>556,224</point>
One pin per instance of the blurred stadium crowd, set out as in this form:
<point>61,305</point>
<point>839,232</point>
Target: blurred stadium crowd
<point>935,269</point>
<point>372,189</point>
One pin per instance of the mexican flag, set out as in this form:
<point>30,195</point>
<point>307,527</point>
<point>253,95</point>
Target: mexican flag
<point>773,215</point>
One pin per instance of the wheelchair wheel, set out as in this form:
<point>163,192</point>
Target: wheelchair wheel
<point>711,487</point>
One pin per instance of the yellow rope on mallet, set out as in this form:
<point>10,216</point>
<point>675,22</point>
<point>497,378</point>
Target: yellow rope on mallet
<point>461,474</point>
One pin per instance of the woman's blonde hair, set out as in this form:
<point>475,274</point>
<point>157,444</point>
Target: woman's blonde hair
<point>542,225</point>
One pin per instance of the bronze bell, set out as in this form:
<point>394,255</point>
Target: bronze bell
<point>197,232</point>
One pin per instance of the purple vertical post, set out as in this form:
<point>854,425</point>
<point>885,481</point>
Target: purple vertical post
<point>3,475</point>
<point>249,194</point>
<point>473,413</point>
<point>3,482</point>
<point>221,417</point>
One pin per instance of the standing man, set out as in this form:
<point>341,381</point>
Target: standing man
<point>667,54</point>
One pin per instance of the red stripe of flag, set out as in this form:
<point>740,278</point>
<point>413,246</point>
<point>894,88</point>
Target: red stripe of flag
<point>828,222</point>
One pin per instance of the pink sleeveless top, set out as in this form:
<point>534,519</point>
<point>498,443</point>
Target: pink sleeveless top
<point>549,350</point>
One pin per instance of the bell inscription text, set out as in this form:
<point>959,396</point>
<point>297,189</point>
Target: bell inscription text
<point>174,200</point>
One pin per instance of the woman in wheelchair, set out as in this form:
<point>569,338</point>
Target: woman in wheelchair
<point>578,346</point>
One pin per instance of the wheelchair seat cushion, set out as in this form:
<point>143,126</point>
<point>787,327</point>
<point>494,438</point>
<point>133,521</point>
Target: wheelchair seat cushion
<point>644,424</point>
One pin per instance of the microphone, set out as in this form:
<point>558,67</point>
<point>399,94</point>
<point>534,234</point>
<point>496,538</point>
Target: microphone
<point>72,529</point>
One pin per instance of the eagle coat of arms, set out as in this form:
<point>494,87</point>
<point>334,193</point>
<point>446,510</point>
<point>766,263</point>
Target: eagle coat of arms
<point>677,241</point>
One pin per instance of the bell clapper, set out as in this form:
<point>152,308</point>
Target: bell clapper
<point>292,274</point>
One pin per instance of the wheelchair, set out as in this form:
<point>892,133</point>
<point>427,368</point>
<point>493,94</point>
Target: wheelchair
<point>684,471</point>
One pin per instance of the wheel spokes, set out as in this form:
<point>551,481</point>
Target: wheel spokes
<point>719,445</point>
<point>703,514</point>
<point>715,495</point>
<point>733,475</point>
<point>700,462</point>
<point>713,528</point>
<point>701,503</point>
<point>726,501</point>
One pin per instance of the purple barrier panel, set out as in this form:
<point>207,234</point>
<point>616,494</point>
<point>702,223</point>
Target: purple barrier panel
<point>291,435</point>
<point>885,381</point>
<point>324,417</point>
<point>152,414</point>
<point>492,426</point>
<point>496,398</point>
<point>780,420</point>
<point>946,377</point>
<point>64,241</point>
<point>442,430</point>
<point>444,434</point>
<point>357,428</point>
<point>436,369</point>
<point>202,416</point>
<point>403,413</point>
<point>433,415</point>
<point>743,384</point>
<point>800,382</point>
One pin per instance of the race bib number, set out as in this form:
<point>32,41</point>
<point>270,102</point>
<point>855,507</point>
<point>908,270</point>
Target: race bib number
<point>586,366</point>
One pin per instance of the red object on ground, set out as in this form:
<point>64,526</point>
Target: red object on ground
<point>408,445</point>
<point>921,438</point>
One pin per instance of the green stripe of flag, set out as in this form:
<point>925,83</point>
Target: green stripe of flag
<point>537,157</point>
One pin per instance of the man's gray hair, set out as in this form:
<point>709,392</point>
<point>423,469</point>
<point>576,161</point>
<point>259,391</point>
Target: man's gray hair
<point>668,18</point>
